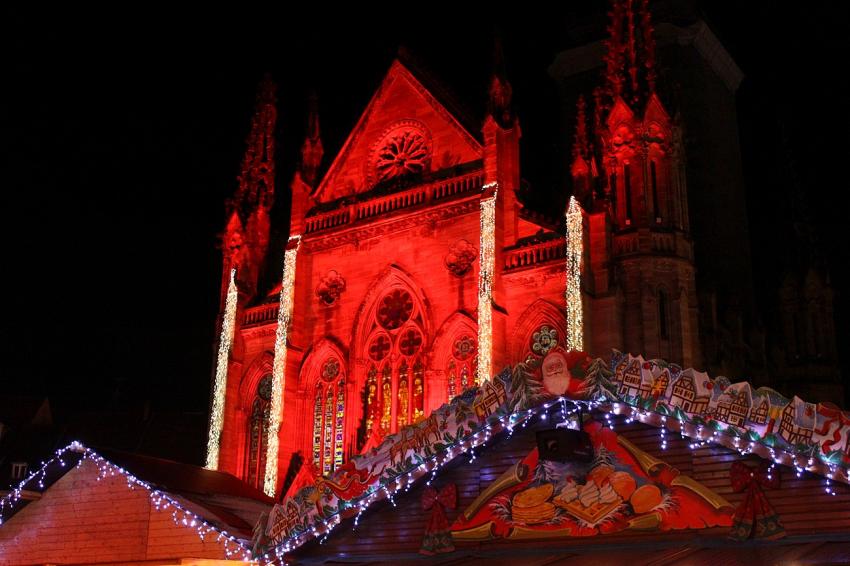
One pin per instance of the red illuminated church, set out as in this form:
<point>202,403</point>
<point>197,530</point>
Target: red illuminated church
<point>393,303</point>
<point>438,368</point>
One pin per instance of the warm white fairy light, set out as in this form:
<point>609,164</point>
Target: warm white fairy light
<point>222,363</point>
<point>467,445</point>
<point>284,316</point>
<point>160,501</point>
<point>485,284</point>
<point>575,310</point>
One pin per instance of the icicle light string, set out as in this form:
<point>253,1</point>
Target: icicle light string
<point>160,501</point>
<point>507,424</point>
<point>228,323</point>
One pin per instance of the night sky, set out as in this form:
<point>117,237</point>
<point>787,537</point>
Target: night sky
<point>122,134</point>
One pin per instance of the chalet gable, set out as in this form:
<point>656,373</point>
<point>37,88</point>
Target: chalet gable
<point>404,132</point>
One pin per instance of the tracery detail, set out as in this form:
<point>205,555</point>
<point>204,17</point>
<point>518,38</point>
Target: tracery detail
<point>329,417</point>
<point>395,375</point>
<point>461,365</point>
<point>401,153</point>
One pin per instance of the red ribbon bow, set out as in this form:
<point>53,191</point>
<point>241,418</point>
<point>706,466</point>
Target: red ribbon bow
<point>755,517</point>
<point>437,537</point>
<point>438,502</point>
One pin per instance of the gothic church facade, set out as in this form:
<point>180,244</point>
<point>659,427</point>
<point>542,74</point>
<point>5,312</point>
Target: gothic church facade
<point>414,218</point>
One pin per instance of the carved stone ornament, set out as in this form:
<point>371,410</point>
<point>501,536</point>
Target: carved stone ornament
<point>403,150</point>
<point>460,257</point>
<point>330,288</point>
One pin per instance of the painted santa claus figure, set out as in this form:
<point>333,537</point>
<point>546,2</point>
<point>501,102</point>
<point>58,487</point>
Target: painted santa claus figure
<point>556,374</point>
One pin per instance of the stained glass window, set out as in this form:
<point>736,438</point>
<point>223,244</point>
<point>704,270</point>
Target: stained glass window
<point>329,418</point>
<point>418,401</point>
<point>403,394</point>
<point>258,433</point>
<point>372,399</point>
<point>395,382</point>
<point>386,399</point>
<point>317,429</point>
<point>461,365</point>
<point>340,421</point>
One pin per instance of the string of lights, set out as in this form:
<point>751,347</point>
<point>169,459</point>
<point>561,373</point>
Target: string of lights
<point>608,412</point>
<point>575,308</point>
<point>233,547</point>
<point>220,386</point>
<point>485,283</point>
<point>284,317</point>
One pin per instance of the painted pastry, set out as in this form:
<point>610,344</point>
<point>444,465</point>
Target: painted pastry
<point>623,483</point>
<point>607,494</point>
<point>645,498</point>
<point>588,494</point>
<point>533,496</point>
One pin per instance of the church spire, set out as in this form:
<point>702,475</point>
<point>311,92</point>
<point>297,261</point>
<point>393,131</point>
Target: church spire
<point>501,92</point>
<point>256,180</point>
<point>584,165</point>
<point>581,143</point>
<point>630,58</point>
<point>246,236</point>
<point>311,149</point>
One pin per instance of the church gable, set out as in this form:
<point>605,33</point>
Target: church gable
<point>404,132</point>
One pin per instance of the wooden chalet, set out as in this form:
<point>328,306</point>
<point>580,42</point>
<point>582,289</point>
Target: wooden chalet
<point>817,524</point>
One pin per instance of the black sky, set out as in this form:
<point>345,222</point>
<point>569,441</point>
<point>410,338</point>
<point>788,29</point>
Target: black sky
<point>122,134</point>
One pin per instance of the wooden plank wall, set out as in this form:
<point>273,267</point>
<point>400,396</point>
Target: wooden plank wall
<point>803,505</point>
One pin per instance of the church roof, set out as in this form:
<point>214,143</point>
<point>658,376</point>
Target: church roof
<point>407,97</point>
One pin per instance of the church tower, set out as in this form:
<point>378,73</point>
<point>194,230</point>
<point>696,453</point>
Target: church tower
<point>630,173</point>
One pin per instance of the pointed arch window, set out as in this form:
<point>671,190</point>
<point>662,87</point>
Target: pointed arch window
<point>653,179</point>
<point>329,417</point>
<point>461,365</point>
<point>395,379</point>
<point>258,433</point>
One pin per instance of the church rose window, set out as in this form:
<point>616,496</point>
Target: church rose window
<point>329,417</point>
<point>258,433</point>
<point>401,153</point>
<point>461,365</point>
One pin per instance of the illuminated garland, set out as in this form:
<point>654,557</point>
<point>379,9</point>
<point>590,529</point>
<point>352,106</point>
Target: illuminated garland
<point>567,409</point>
<point>575,310</point>
<point>220,386</point>
<point>161,501</point>
<point>284,317</point>
<point>485,284</point>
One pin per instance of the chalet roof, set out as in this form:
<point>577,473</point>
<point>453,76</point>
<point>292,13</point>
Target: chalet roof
<point>218,498</point>
<point>391,466</point>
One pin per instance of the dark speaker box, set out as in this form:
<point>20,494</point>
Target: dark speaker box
<point>564,444</point>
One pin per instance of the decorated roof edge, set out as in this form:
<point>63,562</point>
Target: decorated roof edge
<point>805,436</point>
<point>60,464</point>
